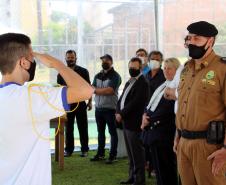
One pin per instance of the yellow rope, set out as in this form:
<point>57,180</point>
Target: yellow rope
<point>52,106</point>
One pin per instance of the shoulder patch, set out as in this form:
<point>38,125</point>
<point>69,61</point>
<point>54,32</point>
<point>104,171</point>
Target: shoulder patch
<point>223,60</point>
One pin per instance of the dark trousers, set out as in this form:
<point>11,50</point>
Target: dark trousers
<point>136,155</point>
<point>82,123</point>
<point>164,161</point>
<point>148,159</point>
<point>103,118</point>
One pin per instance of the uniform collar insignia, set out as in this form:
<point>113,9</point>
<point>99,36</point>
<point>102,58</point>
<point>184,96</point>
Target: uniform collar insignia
<point>206,61</point>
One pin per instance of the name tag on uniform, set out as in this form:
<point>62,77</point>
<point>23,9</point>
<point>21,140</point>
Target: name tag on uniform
<point>210,82</point>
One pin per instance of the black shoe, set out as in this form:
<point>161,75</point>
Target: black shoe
<point>67,154</point>
<point>129,181</point>
<point>84,154</point>
<point>111,159</point>
<point>97,158</point>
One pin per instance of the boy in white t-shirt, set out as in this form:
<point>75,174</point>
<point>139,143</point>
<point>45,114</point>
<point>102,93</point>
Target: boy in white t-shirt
<point>25,111</point>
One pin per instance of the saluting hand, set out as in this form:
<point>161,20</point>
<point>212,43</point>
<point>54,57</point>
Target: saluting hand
<point>46,59</point>
<point>219,160</point>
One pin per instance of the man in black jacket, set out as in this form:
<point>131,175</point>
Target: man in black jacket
<point>80,113</point>
<point>129,112</point>
<point>155,78</point>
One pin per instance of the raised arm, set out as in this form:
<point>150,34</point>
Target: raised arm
<point>78,88</point>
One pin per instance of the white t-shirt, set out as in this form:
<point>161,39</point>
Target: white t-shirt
<point>24,156</point>
<point>174,84</point>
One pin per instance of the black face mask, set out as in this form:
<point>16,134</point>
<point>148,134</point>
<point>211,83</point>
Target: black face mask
<point>197,52</point>
<point>70,63</point>
<point>31,70</point>
<point>134,72</point>
<point>105,66</point>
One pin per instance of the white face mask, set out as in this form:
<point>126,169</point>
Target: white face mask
<point>142,59</point>
<point>154,64</point>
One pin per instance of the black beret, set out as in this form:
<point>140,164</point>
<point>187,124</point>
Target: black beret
<point>203,28</point>
<point>107,56</point>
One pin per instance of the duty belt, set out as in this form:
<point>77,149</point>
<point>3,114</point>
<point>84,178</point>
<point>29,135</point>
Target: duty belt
<point>192,134</point>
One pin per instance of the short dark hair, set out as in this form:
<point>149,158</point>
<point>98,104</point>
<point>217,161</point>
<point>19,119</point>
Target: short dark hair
<point>70,51</point>
<point>13,46</point>
<point>155,52</point>
<point>142,49</point>
<point>107,56</point>
<point>136,59</point>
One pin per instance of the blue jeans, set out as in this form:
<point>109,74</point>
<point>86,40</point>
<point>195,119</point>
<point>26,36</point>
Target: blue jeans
<point>104,117</point>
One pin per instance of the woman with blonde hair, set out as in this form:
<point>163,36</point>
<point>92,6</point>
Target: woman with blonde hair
<point>158,125</point>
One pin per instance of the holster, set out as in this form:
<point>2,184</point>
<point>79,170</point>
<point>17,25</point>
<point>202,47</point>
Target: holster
<point>216,132</point>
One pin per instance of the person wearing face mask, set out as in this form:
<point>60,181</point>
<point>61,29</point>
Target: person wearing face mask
<point>129,112</point>
<point>155,78</point>
<point>171,92</point>
<point>200,140</point>
<point>158,125</point>
<point>80,113</point>
<point>142,54</point>
<point>106,84</point>
<point>25,111</point>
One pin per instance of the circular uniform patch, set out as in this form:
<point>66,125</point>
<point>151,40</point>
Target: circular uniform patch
<point>210,75</point>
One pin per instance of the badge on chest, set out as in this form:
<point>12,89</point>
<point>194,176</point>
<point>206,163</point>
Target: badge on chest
<point>209,78</point>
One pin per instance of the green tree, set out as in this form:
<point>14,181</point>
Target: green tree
<point>62,29</point>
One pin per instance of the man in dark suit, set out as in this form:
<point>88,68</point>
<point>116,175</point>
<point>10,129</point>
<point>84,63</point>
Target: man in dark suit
<point>80,113</point>
<point>129,112</point>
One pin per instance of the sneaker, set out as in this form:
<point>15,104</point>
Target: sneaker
<point>129,181</point>
<point>67,154</point>
<point>84,154</point>
<point>97,158</point>
<point>153,174</point>
<point>111,159</point>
